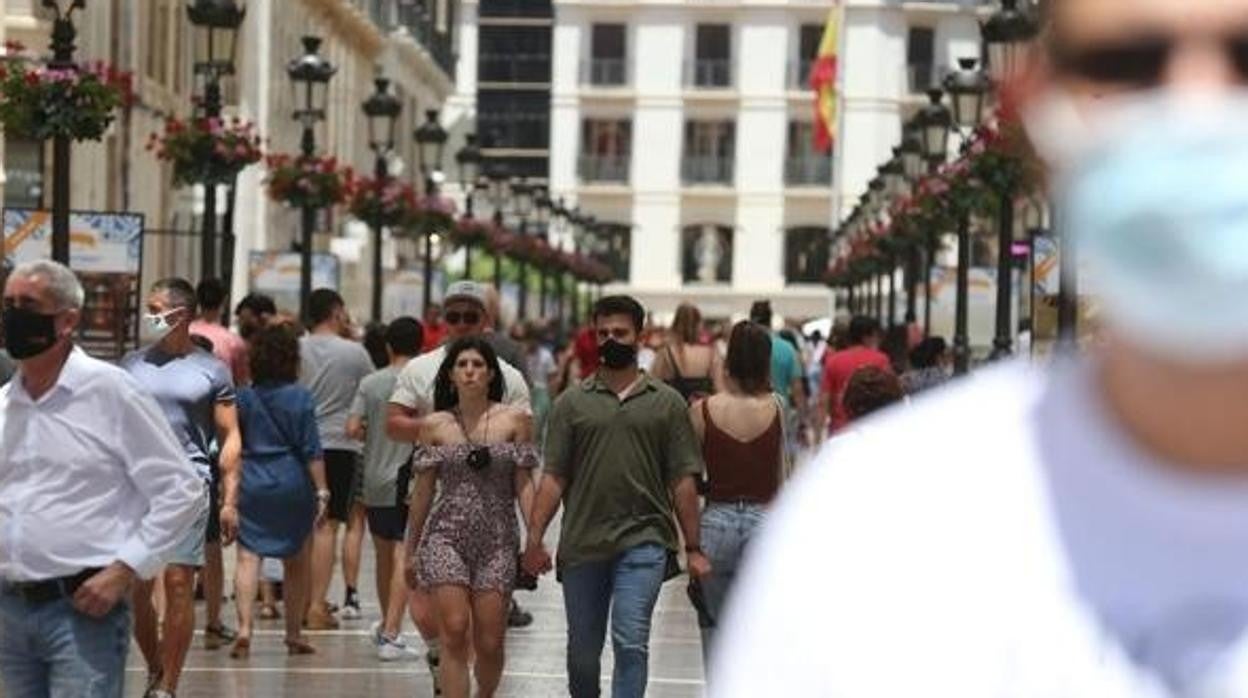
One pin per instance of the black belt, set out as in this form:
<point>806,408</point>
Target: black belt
<point>48,590</point>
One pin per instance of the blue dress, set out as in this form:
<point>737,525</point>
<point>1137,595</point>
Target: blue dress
<point>277,499</point>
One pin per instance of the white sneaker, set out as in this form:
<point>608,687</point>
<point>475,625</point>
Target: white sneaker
<point>350,612</point>
<point>374,634</point>
<point>395,650</point>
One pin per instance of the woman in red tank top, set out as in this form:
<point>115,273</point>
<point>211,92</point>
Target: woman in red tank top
<point>742,434</point>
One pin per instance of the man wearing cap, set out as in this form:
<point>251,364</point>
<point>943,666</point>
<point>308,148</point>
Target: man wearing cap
<point>466,315</point>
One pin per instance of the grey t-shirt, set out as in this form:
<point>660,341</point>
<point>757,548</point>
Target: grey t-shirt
<point>332,369</point>
<point>188,388</point>
<point>382,457</point>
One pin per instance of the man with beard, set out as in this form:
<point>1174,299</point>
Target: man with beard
<point>622,456</point>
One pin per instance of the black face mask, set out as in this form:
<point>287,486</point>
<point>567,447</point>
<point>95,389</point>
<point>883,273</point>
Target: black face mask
<point>28,334</point>
<point>616,355</point>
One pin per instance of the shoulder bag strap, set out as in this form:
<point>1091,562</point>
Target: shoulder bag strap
<point>277,426</point>
<point>671,357</point>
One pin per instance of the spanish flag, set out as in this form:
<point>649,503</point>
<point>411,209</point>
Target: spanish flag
<point>823,81</point>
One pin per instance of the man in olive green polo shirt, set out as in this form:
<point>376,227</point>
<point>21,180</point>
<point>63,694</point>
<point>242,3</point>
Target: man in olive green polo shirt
<point>620,452</point>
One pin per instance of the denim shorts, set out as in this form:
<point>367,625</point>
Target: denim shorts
<point>190,551</point>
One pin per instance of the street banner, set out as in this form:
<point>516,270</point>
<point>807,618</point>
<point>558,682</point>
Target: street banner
<point>106,251</point>
<point>276,274</point>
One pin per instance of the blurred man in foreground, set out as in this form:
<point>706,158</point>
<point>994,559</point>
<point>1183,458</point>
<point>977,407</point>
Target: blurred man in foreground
<point>1078,532</point>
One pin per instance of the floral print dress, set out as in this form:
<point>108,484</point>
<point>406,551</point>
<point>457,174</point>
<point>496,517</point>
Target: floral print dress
<point>471,538</point>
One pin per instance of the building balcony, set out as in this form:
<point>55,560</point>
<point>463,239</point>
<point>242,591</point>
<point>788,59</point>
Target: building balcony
<point>604,72</point>
<point>707,169</point>
<point>706,73</point>
<point>807,171</point>
<point>531,69</point>
<point>603,168</point>
<point>420,25</point>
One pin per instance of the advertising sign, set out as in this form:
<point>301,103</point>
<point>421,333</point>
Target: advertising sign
<point>277,274</point>
<point>106,250</point>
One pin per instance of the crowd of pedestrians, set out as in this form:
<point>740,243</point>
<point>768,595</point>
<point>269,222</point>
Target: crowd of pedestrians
<point>454,457</point>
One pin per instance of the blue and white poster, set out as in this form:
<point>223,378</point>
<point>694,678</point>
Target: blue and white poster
<point>276,274</point>
<point>106,250</point>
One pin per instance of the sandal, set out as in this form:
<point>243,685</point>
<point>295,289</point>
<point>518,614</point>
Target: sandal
<point>216,636</point>
<point>241,648</point>
<point>299,647</point>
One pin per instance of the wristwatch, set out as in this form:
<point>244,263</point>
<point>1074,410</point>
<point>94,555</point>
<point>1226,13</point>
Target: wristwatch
<point>322,495</point>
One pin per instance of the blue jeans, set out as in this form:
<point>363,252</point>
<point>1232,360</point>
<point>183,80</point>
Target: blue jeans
<point>726,530</point>
<point>628,587</point>
<point>51,650</point>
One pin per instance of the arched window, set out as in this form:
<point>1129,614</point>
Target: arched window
<point>805,254</point>
<point>706,253</point>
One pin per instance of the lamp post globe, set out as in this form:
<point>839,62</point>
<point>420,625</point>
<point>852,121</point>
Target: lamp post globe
<point>968,89</point>
<point>934,122</point>
<point>468,162</point>
<point>1006,34</point>
<point>382,109</point>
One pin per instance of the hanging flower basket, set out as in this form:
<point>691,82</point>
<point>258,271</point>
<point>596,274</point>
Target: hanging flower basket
<point>307,182</point>
<point>472,231</point>
<point>207,151</point>
<point>38,102</point>
<point>388,203</point>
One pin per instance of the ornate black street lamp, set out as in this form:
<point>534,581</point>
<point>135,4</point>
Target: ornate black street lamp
<point>309,75</point>
<point>382,109</point>
<point>63,36</point>
<point>932,126</point>
<point>218,22</point>
<point>498,192</point>
<point>968,89</point>
<point>543,206</point>
<point>468,160</point>
<point>522,204</point>
<point>1006,35</point>
<point>431,138</point>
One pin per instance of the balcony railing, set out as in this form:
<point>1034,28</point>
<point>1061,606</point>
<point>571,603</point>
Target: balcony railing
<point>514,68</point>
<point>807,171</point>
<point>603,168</point>
<point>707,169</point>
<point>605,72</point>
<point>420,24</point>
<point>710,73</point>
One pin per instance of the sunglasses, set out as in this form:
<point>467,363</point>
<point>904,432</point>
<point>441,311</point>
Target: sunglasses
<point>1139,62</point>
<point>465,318</point>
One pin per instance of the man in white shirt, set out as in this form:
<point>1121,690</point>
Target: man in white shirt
<point>1075,532</point>
<point>95,493</point>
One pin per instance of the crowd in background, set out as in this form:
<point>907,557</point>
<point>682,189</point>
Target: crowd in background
<point>425,435</point>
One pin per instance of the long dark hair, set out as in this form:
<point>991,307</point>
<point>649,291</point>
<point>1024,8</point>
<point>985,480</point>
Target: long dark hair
<point>445,396</point>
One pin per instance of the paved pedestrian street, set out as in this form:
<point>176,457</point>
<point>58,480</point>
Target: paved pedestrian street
<point>346,663</point>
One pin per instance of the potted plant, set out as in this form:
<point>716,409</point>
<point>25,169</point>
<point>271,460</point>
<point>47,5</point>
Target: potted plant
<point>39,101</point>
<point>307,182</point>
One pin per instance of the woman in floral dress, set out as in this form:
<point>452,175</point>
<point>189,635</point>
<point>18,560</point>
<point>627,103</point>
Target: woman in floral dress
<point>462,548</point>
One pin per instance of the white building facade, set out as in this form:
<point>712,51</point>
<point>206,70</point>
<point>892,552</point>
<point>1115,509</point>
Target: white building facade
<point>687,127</point>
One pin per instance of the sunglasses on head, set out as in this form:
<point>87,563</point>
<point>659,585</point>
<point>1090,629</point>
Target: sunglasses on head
<point>1141,61</point>
<point>468,317</point>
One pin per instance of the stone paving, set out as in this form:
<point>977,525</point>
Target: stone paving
<point>346,664</point>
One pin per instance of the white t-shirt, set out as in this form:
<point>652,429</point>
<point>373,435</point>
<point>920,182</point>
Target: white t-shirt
<point>415,387</point>
<point>999,538</point>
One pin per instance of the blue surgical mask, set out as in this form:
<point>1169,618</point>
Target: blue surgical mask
<point>1157,206</point>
